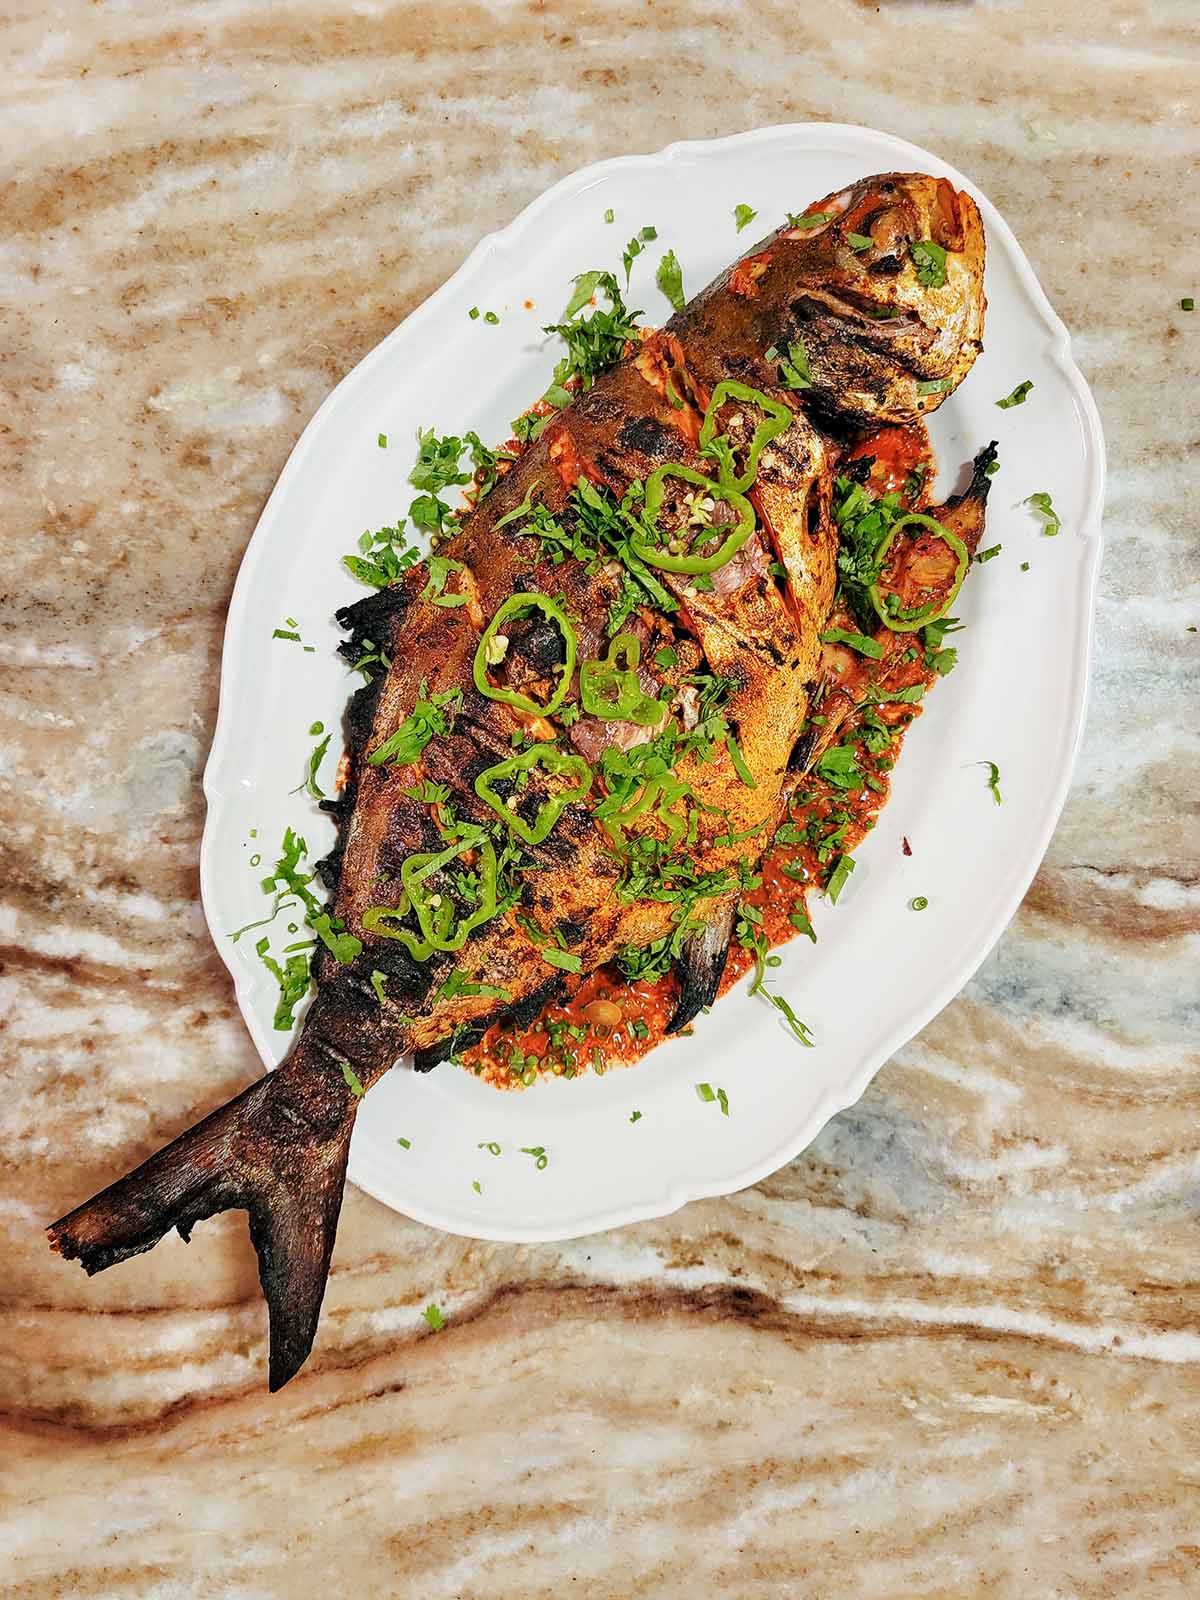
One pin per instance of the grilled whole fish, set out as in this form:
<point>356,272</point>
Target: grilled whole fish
<point>867,309</point>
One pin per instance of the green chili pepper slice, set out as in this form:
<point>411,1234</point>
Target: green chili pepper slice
<point>512,607</point>
<point>612,690</point>
<point>659,556</point>
<point>909,622</point>
<point>554,760</point>
<point>374,920</point>
<point>437,925</point>
<point>660,794</point>
<point>776,418</point>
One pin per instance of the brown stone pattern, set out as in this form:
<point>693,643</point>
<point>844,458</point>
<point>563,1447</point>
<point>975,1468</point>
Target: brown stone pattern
<point>952,1350</point>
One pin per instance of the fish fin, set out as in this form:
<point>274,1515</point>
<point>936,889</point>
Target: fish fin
<point>700,967</point>
<point>260,1153</point>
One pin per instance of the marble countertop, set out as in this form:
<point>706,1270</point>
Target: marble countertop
<point>950,1350</point>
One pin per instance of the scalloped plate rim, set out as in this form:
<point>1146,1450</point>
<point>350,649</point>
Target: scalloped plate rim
<point>681,1189</point>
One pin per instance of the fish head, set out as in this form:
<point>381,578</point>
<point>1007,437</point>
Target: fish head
<point>887,295</point>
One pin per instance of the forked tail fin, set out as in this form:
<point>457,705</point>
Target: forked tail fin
<point>278,1151</point>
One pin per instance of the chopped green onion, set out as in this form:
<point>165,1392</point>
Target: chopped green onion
<point>610,215</point>
<point>1187,303</point>
<point>986,555</point>
<point>282,633</point>
<point>540,1159</point>
<point>490,316</point>
<point>405,1144</point>
<point>490,1145</point>
<point>352,1081</point>
<point>475,1186</point>
<point>1024,566</point>
<point>918,903</point>
<point>474,313</point>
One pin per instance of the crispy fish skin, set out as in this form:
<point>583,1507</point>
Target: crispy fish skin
<point>881,345</point>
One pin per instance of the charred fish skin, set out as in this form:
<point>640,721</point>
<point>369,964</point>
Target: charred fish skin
<point>880,340</point>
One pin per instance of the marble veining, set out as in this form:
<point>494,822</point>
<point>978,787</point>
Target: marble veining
<point>954,1348</point>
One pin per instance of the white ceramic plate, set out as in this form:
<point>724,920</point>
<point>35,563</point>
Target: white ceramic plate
<point>879,971</point>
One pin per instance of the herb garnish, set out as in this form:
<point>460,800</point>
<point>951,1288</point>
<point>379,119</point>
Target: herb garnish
<point>1041,502</point>
<point>634,249</point>
<point>793,367</point>
<point>930,261</point>
<point>743,215</point>
<point>859,241</point>
<point>854,641</point>
<point>669,279</point>
<point>839,877</point>
<point>708,1094</point>
<point>934,386</point>
<point>434,1318</point>
<point>1017,397</point>
<point>427,718</point>
<point>986,555</point>
<point>993,782</point>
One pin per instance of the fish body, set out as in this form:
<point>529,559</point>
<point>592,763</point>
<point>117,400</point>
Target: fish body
<point>866,309</point>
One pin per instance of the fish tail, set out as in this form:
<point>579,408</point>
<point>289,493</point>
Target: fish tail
<point>277,1151</point>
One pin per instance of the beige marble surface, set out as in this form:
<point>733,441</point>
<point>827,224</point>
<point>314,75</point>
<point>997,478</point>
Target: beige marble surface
<point>951,1350</point>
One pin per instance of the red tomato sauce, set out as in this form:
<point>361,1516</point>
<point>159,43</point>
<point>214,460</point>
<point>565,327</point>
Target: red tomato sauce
<point>576,1035</point>
<point>606,1020</point>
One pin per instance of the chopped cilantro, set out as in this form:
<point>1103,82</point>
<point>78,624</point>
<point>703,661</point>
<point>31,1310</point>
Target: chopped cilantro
<point>593,343</point>
<point>993,782</point>
<point>562,958</point>
<point>859,241</point>
<point>793,367</point>
<point>839,877</point>
<point>634,249</point>
<point>1041,502</point>
<point>814,220</point>
<point>669,279</point>
<point>635,1116</point>
<point>800,1030</point>
<point>934,386</point>
<point>353,1083</point>
<point>382,441</point>
<point>855,641</point>
<point>1017,397</point>
<point>474,313</point>
<point>930,261</point>
<point>743,215</point>
<point>426,719</point>
<point>434,1318</point>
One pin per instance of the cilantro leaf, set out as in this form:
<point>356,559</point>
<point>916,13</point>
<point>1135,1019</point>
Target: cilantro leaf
<point>669,279</point>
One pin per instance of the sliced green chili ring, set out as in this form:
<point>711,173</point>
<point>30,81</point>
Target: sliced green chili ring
<point>612,690</point>
<point>436,923</point>
<point>922,615</point>
<point>375,917</point>
<point>777,417</point>
<point>554,760</point>
<point>659,793</point>
<point>657,556</point>
<point>512,607</point>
